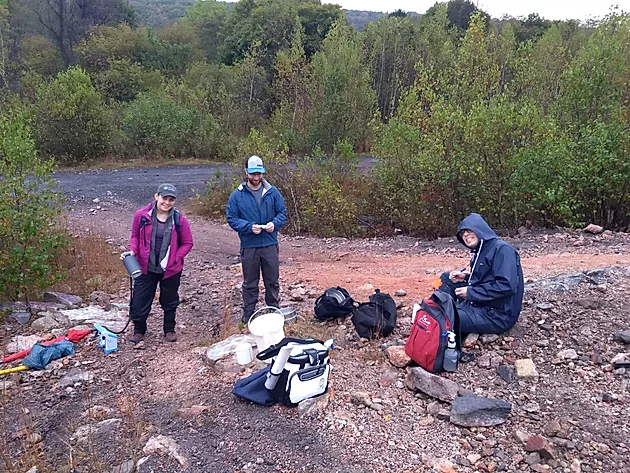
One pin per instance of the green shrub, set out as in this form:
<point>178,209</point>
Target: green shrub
<point>29,207</point>
<point>123,80</point>
<point>328,211</point>
<point>72,121</point>
<point>155,124</point>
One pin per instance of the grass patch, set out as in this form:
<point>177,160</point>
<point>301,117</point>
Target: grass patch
<point>90,264</point>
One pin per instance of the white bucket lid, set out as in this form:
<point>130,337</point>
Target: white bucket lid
<point>271,322</point>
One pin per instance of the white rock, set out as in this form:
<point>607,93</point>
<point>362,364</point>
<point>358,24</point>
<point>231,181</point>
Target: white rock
<point>525,368</point>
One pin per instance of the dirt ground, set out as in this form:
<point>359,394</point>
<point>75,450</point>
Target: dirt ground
<point>166,389</point>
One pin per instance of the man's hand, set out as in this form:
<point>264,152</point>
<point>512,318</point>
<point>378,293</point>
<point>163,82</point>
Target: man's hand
<point>270,227</point>
<point>457,276</point>
<point>462,292</point>
<point>256,229</point>
<point>125,254</point>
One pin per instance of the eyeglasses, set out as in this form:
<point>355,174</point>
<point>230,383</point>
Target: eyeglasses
<point>466,232</point>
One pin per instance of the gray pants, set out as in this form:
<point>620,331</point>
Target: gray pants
<point>253,260</point>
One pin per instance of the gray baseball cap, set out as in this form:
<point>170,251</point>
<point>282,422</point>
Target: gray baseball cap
<point>166,190</point>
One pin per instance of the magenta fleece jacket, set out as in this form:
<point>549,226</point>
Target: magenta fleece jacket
<point>140,242</point>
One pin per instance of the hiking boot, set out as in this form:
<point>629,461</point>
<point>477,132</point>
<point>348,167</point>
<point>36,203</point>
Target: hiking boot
<point>170,337</point>
<point>136,337</point>
<point>245,318</point>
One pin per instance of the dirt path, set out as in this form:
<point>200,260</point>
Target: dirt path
<point>388,263</point>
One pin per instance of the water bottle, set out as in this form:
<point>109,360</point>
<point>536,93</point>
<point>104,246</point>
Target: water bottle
<point>132,265</point>
<point>451,357</point>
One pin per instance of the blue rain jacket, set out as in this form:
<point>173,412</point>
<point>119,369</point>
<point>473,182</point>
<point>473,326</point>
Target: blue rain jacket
<point>242,212</point>
<point>496,282</point>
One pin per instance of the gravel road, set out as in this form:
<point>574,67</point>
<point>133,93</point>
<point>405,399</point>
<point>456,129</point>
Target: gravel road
<point>135,184</point>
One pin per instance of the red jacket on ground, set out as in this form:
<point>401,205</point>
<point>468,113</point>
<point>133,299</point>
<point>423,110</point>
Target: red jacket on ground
<point>140,242</point>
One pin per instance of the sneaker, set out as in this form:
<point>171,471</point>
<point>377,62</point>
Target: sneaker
<point>170,337</point>
<point>136,337</point>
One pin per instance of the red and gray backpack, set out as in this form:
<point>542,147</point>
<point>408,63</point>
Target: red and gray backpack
<point>427,341</point>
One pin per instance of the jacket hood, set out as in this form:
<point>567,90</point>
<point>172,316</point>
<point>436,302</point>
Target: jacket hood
<point>266,186</point>
<point>477,224</point>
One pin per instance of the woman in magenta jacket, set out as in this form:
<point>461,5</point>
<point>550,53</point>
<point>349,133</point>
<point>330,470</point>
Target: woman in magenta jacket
<point>160,240</point>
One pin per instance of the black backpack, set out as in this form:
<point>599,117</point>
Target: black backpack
<point>376,318</point>
<point>335,302</point>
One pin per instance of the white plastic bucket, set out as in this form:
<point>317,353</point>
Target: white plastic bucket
<point>267,327</point>
<point>244,353</point>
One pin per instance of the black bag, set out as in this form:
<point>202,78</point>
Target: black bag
<point>376,318</point>
<point>333,303</point>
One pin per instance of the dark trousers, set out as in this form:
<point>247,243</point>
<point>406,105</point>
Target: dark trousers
<point>253,261</point>
<point>144,288</point>
<point>474,318</point>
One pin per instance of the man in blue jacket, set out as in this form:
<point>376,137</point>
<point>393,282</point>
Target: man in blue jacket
<point>256,211</point>
<point>489,297</point>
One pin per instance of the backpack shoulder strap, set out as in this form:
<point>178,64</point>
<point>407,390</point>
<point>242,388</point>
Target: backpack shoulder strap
<point>176,218</point>
<point>176,222</point>
<point>273,350</point>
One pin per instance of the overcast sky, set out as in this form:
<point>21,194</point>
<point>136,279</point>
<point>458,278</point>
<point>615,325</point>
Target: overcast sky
<point>550,9</point>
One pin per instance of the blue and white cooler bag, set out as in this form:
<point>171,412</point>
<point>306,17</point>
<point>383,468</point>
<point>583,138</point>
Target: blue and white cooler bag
<point>303,375</point>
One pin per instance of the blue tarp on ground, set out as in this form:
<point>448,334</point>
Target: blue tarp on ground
<point>41,355</point>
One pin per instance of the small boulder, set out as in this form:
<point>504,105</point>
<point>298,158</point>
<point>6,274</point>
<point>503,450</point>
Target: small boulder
<point>101,299</point>
<point>126,467</point>
<point>21,316</point>
<point>67,300</point>
<point>506,372</point>
<point>313,406</point>
<point>361,398</point>
<point>488,338</point>
<point>538,443</point>
<point>397,356</point>
<point>525,368</point>
<point>623,337</point>
<point>400,293</point>
<point>593,229</point>
<point>470,340</point>
<point>76,376</point>
<point>163,445</point>
<point>568,354</point>
<point>431,384</point>
<point>473,411</point>
<point>86,433</point>
<point>46,323</point>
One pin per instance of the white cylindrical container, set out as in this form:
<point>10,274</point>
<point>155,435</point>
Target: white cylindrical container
<point>267,328</point>
<point>244,354</point>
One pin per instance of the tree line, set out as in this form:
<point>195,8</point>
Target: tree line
<point>524,120</point>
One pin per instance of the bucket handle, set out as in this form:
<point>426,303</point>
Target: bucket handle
<point>256,314</point>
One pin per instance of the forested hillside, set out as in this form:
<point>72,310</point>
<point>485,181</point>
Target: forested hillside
<point>160,13</point>
<point>525,120</point>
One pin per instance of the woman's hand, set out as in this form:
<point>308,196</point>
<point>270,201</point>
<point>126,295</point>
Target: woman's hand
<point>125,254</point>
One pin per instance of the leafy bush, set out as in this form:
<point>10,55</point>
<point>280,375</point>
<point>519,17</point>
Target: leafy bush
<point>123,80</point>
<point>328,212</point>
<point>72,121</point>
<point>29,207</point>
<point>155,124</point>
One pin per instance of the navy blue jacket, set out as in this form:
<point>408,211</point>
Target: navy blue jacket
<point>242,212</point>
<point>496,277</point>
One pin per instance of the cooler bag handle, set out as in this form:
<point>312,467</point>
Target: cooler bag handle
<point>273,350</point>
